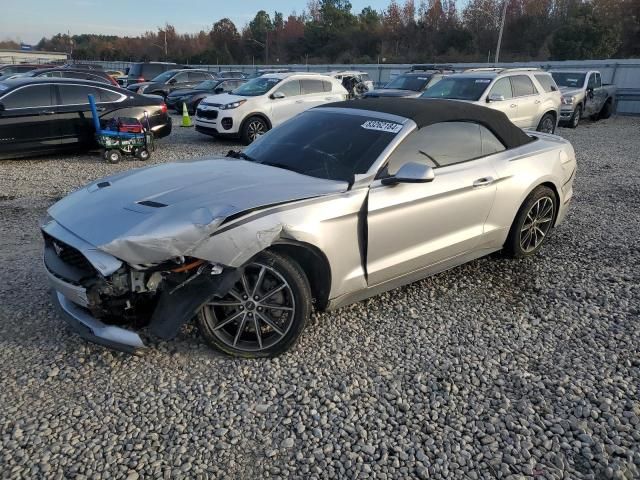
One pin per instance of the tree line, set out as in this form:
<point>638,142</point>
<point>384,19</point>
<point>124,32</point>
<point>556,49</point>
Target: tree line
<point>329,31</point>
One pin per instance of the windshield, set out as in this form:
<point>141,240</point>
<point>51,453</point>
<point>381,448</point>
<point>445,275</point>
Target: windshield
<point>257,86</point>
<point>207,85</point>
<point>458,88</point>
<point>409,82</point>
<point>324,144</point>
<point>569,79</point>
<point>164,77</point>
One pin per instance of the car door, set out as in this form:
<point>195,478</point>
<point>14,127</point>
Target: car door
<point>527,100</point>
<point>411,226</point>
<point>291,104</point>
<point>72,108</point>
<point>180,80</point>
<point>594,99</point>
<point>27,120</point>
<point>501,98</point>
<point>313,92</point>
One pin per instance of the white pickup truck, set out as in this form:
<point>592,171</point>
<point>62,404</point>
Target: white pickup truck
<point>583,95</point>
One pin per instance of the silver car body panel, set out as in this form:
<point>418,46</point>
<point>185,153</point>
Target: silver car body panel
<point>373,236</point>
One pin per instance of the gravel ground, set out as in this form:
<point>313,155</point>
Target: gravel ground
<point>497,369</point>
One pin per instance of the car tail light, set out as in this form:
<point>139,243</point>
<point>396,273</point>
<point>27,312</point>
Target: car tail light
<point>164,108</point>
<point>140,79</point>
<point>114,81</point>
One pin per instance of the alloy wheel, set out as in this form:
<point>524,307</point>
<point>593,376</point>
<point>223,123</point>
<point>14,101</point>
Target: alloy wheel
<point>256,313</point>
<point>548,125</point>
<point>256,128</point>
<point>537,224</point>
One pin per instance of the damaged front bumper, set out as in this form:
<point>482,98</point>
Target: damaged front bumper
<point>101,307</point>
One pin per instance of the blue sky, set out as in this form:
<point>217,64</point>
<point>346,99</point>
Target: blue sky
<point>30,20</point>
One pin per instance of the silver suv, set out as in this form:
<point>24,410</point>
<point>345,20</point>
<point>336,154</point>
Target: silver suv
<point>528,96</point>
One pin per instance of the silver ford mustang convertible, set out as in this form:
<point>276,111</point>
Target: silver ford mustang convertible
<point>340,203</point>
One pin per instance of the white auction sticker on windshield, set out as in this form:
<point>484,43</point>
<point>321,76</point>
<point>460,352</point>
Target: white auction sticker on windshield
<point>382,126</point>
<point>483,80</point>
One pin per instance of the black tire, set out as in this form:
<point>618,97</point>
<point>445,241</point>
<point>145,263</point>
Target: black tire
<point>574,121</point>
<point>220,320</point>
<point>547,123</point>
<point>113,156</point>
<point>606,110</point>
<point>252,128</point>
<point>142,154</point>
<point>516,245</point>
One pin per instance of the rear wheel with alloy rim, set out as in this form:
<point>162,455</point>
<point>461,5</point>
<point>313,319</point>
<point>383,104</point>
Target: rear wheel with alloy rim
<point>253,128</point>
<point>533,223</point>
<point>265,311</point>
<point>547,124</point>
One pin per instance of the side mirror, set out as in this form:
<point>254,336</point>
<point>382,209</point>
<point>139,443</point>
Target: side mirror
<point>277,95</point>
<point>219,90</point>
<point>412,172</point>
<point>495,97</point>
<point>173,81</point>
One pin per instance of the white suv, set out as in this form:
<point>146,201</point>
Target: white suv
<point>265,102</point>
<point>528,96</point>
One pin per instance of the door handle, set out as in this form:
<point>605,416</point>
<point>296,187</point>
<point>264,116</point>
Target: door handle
<point>537,102</point>
<point>513,105</point>
<point>328,98</point>
<point>47,112</point>
<point>299,101</point>
<point>483,182</point>
<point>101,109</point>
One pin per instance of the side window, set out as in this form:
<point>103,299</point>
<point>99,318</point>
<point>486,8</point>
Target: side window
<point>311,86</point>
<point>546,82</point>
<point>51,75</point>
<point>502,87</point>
<point>108,95</point>
<point>290,89</point>
<point>437,145</point>
<point>327,86</point>
<point>181,77</point>
<point>490,143</point>
<point>592,81</point>
<point>77,94</point>
<point>598,80</point>
<point>522,86</point>
<point>198,76</point>
<point>31,96</point>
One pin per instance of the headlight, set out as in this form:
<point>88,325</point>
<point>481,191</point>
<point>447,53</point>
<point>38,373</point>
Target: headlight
<point>142,88</point>
<point>233,105</point>
<point>568,100</point>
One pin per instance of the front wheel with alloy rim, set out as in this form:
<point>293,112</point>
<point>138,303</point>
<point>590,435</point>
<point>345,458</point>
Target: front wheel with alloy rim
<point>547,123</point>
<point>265,311</point>
<point>575,118</point>
<point>253,128</point>
<point>533,223</point>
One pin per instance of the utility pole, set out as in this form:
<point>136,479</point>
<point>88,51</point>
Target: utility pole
<point>266,49</point>
<point>504,15</point>
<point>165,43</point>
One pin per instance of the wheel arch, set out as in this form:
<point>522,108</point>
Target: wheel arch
<point>255,114</point>
<point>313,262</point>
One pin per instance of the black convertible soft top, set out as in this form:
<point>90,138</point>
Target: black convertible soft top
<point>429,111</point>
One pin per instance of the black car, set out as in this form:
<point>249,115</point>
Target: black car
<point>193,96</point>
<point>410,84</point>
<point>93,75</point>
<point>145,71</point>
<point>171,80</point>
<point>44,115</point>
<point>7,71</point>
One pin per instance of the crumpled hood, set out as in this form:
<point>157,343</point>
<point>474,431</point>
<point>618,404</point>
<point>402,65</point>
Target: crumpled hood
<point>569,91</point>
<point>392,92</point>
<point>163,211</point>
